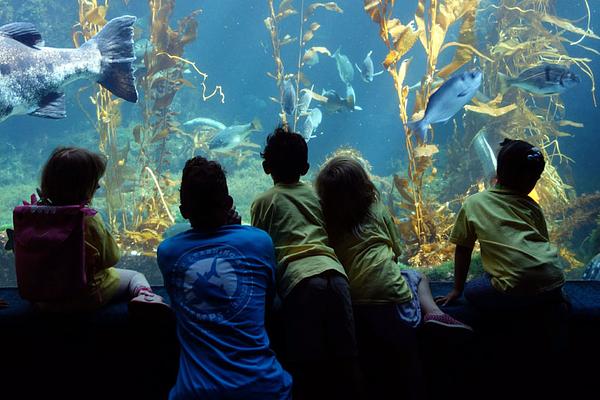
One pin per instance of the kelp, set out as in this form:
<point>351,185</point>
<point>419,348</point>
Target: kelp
<point>92,17</point>
<point>428,222</point>
<point>306,34</point>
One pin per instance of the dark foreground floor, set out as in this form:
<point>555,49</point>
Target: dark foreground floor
<point>107,355</point>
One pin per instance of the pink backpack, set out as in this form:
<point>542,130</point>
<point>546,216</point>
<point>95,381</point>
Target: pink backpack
<point>49,250</point>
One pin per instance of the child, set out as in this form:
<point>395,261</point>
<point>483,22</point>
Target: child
<point>320,344</point>
<point>388,302</point>
<point>70,177</point>
<point>522,268</point>
<point>220,277</point>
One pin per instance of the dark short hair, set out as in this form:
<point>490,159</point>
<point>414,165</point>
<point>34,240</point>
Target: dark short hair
<point>520,165</point>
<point>346,193</point>
<point>71,176</point>
<point>286,154</point>
<point>203,193</point>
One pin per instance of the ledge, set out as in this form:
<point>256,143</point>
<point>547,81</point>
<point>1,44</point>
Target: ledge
<point>107,355</point>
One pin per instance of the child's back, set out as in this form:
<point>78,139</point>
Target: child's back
<point>512,233</point>
<point>292,215</point>
<point>320,342</point>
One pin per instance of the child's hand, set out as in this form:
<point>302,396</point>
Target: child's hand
<point>3,304</point>
<point>449,298</point>
<point>233,218</point>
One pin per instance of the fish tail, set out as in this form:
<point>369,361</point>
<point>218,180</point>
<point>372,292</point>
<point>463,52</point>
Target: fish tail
<point>115,43</point>
<point>419,128</point>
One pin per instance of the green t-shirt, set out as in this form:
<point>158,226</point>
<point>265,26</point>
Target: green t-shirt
<point>369,257</point>
<point>512,233</point>
<point>291,214</point>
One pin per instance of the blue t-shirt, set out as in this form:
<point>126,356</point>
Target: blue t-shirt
<point>220,282</point>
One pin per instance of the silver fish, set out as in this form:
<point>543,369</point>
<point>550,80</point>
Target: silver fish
<point>205,122</point>
<point>289,97</point>
<point>344,67</point>
<point>351,98</point>
<point>485,154</point>
<point>32,76</point>
<point>449,99</point>
<point>367,71</point>
<point>233,136</point>
<point>305,100</point>
<point>543,80</point>
<point>311,122</point>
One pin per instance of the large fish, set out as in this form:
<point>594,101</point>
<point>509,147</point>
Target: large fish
<point>449,99</point>
<point>312,122</point>
<point>234,135</point>
<point>289,97</point>
<point>32,76</point>
<point>543,80</point>
<point>344,67</point>
<point>205,122</point>
<point>367,72</point>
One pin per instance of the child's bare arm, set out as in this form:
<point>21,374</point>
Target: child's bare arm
<point>3,304</point>
<point>462,262</point>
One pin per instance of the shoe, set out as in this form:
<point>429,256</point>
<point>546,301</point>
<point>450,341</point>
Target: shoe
<point>444,320</point>
<point>148,305</point>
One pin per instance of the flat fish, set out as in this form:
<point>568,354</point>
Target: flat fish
<point>289,97</point>
<point>206,122</point>
<point>233,136</point>
<point>449,99</point>
<point>367,72</point>
<point>543,80</point>
<point>311,122</point>
<point>305,100</point>
<point>344,67</point>
<point>485,154</point>
<point>32,76</point>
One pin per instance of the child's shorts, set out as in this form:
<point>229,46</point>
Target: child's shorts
<point>318,319</point>
<point>410,312</point>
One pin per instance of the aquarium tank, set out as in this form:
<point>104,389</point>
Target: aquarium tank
<point>354,77</point>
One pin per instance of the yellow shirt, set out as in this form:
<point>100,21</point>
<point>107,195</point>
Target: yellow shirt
<point>369,257</point>
<point>515,248</point>
<point>101,254</point>
<point>291,214</point>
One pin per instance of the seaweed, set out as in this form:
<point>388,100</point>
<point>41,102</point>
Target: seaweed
<point>92,17</point>
<point>427,225</point>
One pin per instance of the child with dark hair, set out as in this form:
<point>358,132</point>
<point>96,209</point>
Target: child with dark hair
<point>521,266</point>
<point>220,277</point>
<point>389,303</point>
<point>320,343</point>
<point>70,177</point>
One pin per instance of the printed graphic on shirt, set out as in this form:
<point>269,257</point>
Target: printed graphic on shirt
<point>210,284</point>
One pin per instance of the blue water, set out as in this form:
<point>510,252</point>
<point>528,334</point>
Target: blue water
<point>234,49</point>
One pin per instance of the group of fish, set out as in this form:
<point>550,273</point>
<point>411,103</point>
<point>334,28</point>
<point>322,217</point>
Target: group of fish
<point>331,101</point>
<point>32,77</point>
